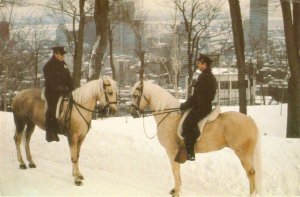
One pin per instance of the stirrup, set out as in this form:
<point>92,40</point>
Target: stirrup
<point>191,157</point>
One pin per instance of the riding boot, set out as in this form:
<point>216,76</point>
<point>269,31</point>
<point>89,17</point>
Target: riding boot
<point>51,129</point>
<point>190,151</point>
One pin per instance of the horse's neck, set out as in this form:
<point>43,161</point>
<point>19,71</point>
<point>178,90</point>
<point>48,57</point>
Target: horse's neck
<point>88,104</point>
<point>162,100</point>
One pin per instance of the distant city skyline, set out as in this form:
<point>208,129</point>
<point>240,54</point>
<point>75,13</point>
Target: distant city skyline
<point>152,8</point>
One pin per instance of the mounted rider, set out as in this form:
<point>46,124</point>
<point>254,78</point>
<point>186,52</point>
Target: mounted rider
<point>58,82</point>
<point>200,102</point>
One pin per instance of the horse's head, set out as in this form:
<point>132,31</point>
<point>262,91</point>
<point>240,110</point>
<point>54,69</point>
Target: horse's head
<point>139,100</point>
<point>108,97</point>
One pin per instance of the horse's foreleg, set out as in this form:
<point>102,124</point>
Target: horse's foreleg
<point>78,154</point>
<point>29,131</point>
<point>17,139</point>
<point>176,173</point>
<point>73,145</point>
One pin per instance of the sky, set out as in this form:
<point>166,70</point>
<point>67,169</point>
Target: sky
<point>151,7</point>
<point>117,159</point>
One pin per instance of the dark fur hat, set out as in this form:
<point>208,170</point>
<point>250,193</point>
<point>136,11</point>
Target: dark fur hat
<point>59,49</point>
<point>204,59</point>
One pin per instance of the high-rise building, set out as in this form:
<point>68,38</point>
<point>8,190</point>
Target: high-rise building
<point>258,25</point>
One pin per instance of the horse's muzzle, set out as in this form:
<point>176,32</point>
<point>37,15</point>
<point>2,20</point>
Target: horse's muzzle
<point>112,110</point>
<point>135,112</point>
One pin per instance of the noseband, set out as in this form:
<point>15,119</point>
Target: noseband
<point>139,98</point>
<point>103,111</point>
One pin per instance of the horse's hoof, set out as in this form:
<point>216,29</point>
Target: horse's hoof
<point>78,182</point>
<point>32,165</point>
<point>23,166</point>
<point>172,192</point>
<point>81,177</point>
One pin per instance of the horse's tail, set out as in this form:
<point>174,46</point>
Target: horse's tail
<point>258,165</point>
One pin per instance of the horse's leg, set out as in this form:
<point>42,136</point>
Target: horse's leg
<point>18,138</point>
<point>29,131</point>
<point>78,154</point>
<point>176,173</point>
<point>247,162</point>
<point>73,145</point>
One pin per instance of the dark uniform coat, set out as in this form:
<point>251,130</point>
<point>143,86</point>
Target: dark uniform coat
<point>200,102</point>
<point>58,82</point>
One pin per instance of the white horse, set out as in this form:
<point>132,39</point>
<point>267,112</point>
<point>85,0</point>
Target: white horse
<point>29,109</point>
<point>231,129</point>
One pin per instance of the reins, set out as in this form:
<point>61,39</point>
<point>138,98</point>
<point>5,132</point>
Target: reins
<point>165,111</point>
<point>99,111</point>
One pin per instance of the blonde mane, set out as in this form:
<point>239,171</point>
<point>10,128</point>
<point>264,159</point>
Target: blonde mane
<point>160,98</point>
<point>88,91</point>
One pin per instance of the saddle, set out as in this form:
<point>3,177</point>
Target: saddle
<point>209,118</point>
<point>57,111</point>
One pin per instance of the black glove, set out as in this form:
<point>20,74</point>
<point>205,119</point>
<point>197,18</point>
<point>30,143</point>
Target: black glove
<point>182,107</point>
<point>61,89</point>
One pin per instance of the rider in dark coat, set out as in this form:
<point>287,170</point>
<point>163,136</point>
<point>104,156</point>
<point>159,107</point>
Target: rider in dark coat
<point>200,102</point>
<point>58,82</point>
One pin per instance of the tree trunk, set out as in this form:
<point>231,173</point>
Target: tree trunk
<point>190,65</point>
<point>296,15</point>
<point>111,56</point>
<point>5,88</point>
<point>238,36</point>
<point>293,122</point>
<point>101,22</point>
<point>79,47</point>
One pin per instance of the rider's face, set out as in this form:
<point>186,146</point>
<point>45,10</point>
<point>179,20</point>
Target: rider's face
<point>59,56</point>
<point>201,66</point>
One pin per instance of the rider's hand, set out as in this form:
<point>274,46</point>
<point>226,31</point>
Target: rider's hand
<point>182,108</point>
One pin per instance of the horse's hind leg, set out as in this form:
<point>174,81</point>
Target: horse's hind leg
<point>17,138</point>
<point>29,131</point>
<point>247,162</point>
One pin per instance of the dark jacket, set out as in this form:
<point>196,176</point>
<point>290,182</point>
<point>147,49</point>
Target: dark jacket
<point>204,93</point>
<point>58,80</point>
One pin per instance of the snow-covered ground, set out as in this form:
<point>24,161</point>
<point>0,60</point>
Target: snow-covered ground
<point>117,159</point>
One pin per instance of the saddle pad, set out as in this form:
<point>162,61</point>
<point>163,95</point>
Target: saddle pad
<point>43,97</point>
<point>209,118</point>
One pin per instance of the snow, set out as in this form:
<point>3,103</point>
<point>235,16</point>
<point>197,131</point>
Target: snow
<point>117,159</point>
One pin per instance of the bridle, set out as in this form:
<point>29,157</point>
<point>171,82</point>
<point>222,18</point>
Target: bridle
<point>103,111</point>
<point>140,88</point>
<point>150,112</point>
<point>139,112</point>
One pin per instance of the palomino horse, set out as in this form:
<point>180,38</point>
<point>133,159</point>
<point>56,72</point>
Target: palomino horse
<point>29,110</point>
<point>231,129</point>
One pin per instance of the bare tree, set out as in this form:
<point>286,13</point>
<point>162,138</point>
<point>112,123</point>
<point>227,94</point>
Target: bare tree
<point>292,37</point>
<point>7,58</point>
<point>33,47</point>
<point>197,16</point>
<point>238,36</point>
<point>76,11</point>
<point>138,29</point>
<point>101,20</point>
<point>176,63</point>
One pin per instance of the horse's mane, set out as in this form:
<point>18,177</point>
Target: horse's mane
<point>91,89</point>
<point>160,97</point>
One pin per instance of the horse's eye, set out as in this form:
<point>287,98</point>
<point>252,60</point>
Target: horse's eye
<point>110,93</point>
<point>134,96</point>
